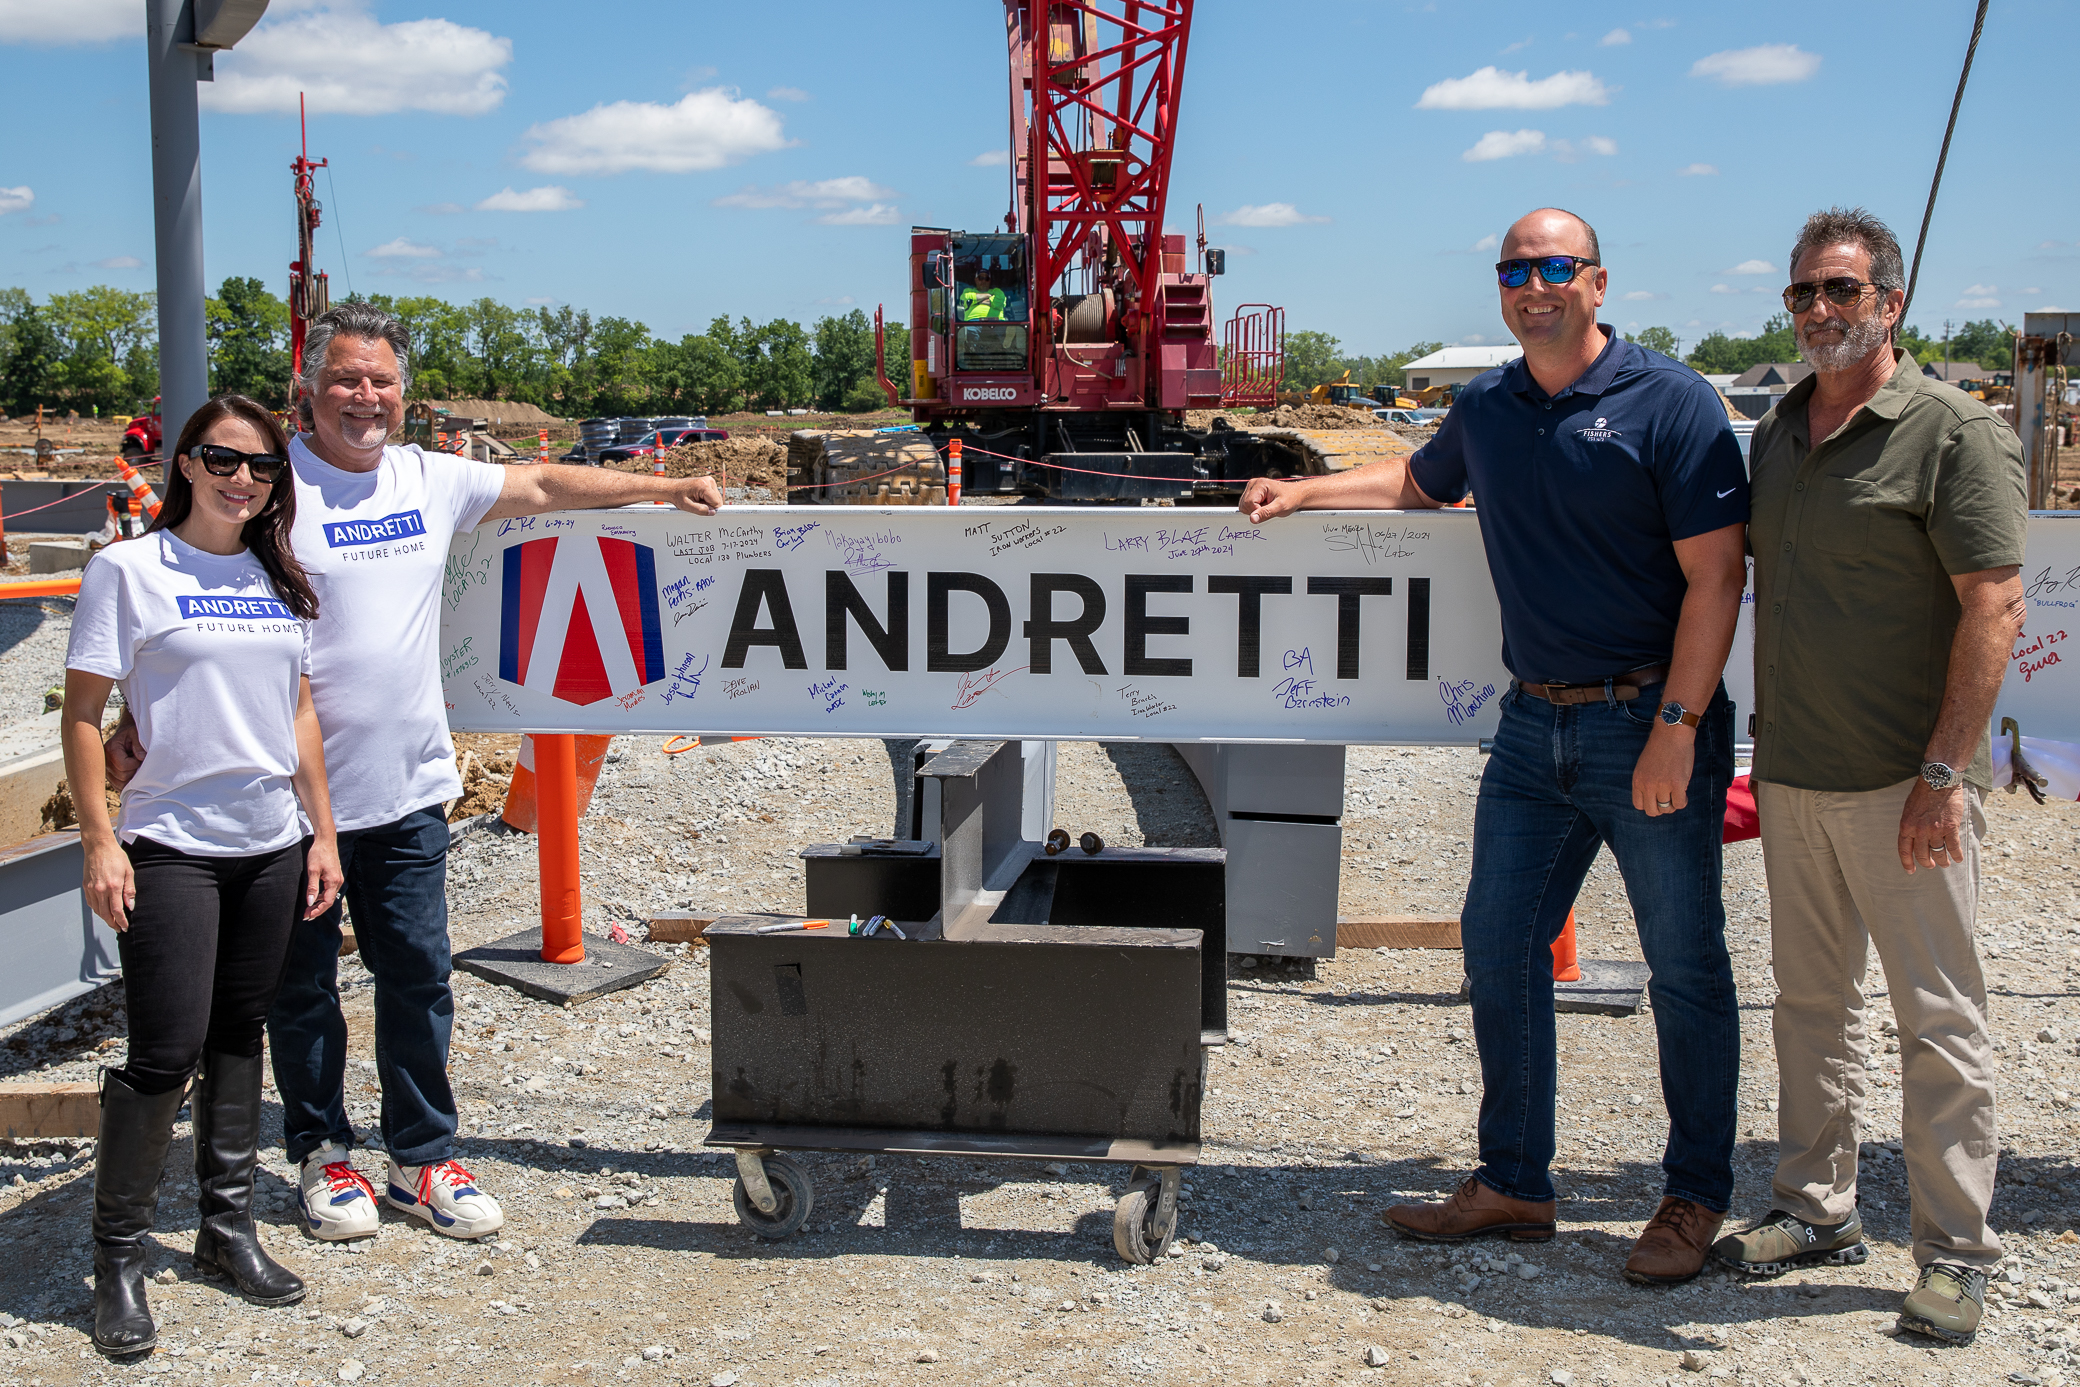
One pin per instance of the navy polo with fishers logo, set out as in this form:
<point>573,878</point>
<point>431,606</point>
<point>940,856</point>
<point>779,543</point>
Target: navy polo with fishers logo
<point>1581,496</point>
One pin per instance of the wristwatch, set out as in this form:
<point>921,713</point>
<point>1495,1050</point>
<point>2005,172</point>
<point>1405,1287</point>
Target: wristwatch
<point>1938,775</point>
<point>1676,715</point>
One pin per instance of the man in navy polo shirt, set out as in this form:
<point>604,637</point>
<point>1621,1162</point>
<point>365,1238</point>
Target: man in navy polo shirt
<point>1613,503</point>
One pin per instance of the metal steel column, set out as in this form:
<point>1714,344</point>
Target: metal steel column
<point>177,213</point>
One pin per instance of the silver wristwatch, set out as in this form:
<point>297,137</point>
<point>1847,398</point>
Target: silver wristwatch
<point>1938,775</point>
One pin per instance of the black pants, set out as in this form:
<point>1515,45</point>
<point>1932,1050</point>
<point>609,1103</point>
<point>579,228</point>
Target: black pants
<point>203,955</point>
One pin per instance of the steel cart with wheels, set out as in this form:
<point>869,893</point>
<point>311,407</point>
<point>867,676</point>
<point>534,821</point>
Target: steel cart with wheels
<point>1053,1008</point>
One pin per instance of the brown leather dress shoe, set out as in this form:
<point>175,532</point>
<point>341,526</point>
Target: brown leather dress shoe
<point>1473,1211</point>
<point>1672,1247</point>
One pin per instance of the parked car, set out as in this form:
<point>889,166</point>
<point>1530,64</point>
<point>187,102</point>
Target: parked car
<point>1395,416</point>
<point>646,446</point>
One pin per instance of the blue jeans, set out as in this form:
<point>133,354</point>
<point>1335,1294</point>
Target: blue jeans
<point>397,879</point>
<point>1558,786</point>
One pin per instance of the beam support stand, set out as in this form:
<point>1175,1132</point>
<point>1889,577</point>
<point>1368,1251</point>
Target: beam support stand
<point>556,843</point>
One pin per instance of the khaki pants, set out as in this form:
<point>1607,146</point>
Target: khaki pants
<point>1835,885</point>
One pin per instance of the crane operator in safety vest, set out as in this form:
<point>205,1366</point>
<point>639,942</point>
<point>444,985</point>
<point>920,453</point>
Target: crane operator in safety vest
<point>980,302</point>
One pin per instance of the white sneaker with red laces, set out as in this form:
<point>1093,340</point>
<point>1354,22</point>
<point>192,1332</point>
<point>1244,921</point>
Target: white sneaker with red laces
<point>446,1196</point>
<point>336,1200</point>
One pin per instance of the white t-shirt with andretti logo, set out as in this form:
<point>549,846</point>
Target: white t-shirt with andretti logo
<point>210,662</point>
<point>376,546</point>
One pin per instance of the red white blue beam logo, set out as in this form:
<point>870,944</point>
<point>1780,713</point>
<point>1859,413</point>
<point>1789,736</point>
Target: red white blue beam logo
<point>579,617</point>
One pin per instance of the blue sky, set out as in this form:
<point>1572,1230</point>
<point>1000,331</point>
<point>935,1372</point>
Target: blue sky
<point>670,162</point>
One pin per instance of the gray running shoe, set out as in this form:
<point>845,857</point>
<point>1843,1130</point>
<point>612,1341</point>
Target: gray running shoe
<point>1782,1241</point>
<point>1946,1303</point>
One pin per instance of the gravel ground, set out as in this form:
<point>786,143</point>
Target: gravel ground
<point>1351,1083</point>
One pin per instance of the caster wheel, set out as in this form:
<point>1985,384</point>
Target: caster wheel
<point>1133,1224</point>
<point>791,1187</point>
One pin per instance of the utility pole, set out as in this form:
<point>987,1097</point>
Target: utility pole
<point>1946,351</point>
<point>182,38</point>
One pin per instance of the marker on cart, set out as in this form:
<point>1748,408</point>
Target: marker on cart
<point>792,925</point>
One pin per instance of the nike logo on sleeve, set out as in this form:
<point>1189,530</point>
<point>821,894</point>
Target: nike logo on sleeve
<point>1726,493</point>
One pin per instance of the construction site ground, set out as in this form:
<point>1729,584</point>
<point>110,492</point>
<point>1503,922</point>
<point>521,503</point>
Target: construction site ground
<point>1349,1083</point>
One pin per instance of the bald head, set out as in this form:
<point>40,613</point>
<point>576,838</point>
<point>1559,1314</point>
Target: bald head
<point>1551,231</point>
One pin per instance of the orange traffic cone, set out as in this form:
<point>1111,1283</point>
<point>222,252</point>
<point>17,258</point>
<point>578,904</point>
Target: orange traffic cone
<point>1566,967</point>
<point>141,493</point>
<point>522,810</point>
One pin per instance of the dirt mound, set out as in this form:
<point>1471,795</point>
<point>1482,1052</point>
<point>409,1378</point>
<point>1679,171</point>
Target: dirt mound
<point>497,411</point>
<point>1313,417</point>
<point>485,761</point>
<point>739,461</point>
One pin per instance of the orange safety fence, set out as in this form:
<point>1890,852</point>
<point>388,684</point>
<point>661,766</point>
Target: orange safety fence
<point>42,587</point>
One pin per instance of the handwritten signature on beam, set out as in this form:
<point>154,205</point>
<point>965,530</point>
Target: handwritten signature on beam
<point>973,686</point>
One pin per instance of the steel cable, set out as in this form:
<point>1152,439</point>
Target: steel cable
<point>1971,49</point>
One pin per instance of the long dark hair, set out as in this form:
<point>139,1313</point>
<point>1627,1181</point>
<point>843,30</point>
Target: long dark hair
<point>266,534</point>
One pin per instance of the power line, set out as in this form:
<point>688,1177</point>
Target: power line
<point>1914,276</point>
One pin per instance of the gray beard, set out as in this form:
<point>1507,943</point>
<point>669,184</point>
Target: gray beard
<point>1858,342</point>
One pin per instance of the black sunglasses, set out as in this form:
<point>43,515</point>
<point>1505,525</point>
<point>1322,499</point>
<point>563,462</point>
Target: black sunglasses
<point>224,462</point>
<point>1553,269</point>
<point>1841,291</point>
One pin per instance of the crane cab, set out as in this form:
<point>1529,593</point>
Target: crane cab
<point>971,319</point>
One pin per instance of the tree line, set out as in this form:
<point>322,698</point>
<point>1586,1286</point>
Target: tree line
<point>1985,343</point>
<point>1313,358</point>
<point>97,351</point>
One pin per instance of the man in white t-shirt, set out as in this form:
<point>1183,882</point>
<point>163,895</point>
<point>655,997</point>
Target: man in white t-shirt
<point>372,529</point>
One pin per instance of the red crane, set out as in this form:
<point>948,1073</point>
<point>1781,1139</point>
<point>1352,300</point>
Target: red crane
<point>310,291</point>
<point>1065,349</point>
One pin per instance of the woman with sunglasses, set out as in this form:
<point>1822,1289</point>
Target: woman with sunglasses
<point>224,839</point>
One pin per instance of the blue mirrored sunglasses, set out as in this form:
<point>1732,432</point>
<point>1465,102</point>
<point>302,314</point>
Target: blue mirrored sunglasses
<point>1553,269</point>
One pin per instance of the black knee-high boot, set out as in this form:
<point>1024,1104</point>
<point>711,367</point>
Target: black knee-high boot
<point>130,1155</point>
<point>226,1110</point>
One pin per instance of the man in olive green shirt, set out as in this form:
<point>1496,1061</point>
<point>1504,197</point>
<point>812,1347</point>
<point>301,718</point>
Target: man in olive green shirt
<point>1887,528</point>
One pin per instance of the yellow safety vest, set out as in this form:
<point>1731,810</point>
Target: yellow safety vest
<point>982,305</point>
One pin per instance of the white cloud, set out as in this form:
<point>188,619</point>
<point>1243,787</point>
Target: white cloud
<point>1614,38</point>
<point>1766,65</point>
<point>1698,171</point>
<point>991,158</point>
<point>1568,152</point>
<point>1981,290</point>
<point>16,199</point>
<point>70,21</point>
<point>2051,245</point>
<point>1751,267</point>
<point>824,192</point>
<point>403,248</point>
<point>787,94</point>
<point>2050,308</point>
<point>874,214</point>
<point>1724,289</point>
<point>347,64</point>
<point>1501,144</point>
<point>427,272</point>
<point>1487,242</point>
<point>1492,89</point>
<point>1266,214</point>
<point>1642,296</point>
<point>842,301</point>
<point>704,130</point>
<point>119,262</point>
<point>540,302</point>
<point>1471,339</point>
<point>2033,289</point>
<point>550,198</point>
<point>1981,302</point>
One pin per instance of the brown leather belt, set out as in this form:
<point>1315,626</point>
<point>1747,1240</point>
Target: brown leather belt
<point>1625,687</point>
